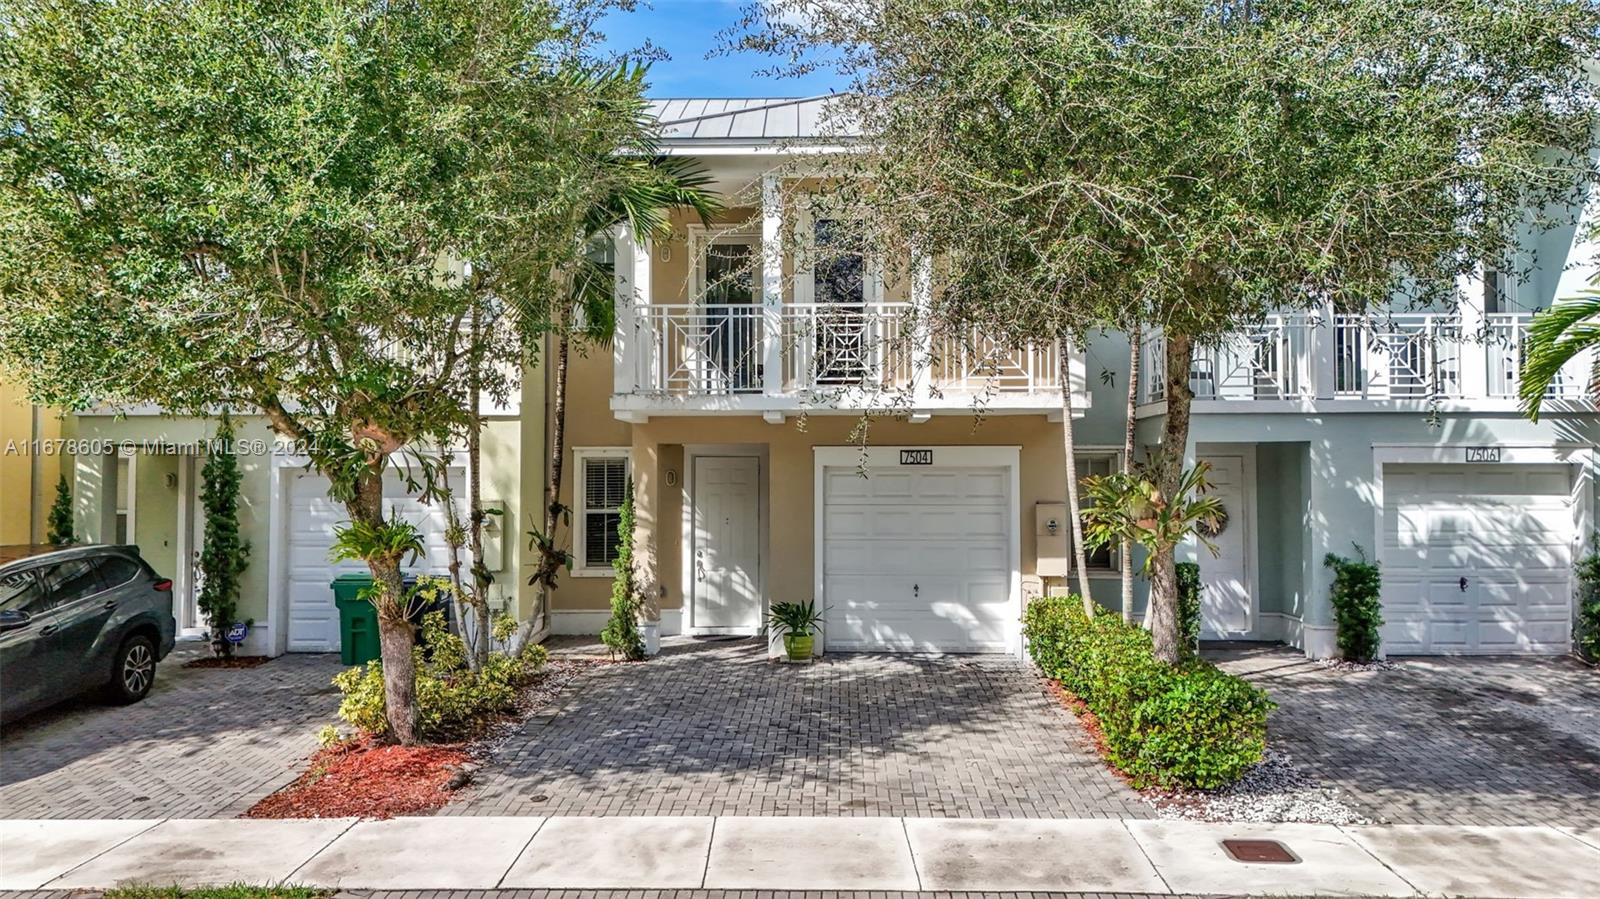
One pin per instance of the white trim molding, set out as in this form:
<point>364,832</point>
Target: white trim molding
<point>581,455</point>
<point>1006,457</point>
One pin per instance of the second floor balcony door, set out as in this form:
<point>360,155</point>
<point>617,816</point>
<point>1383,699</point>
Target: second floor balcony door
<point>729,294</point>
<point>839,282</point>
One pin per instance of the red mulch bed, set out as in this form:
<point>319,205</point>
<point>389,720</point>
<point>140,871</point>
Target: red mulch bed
<point>1090,722</point>
<point>229,662</point>
<point>362,779</point>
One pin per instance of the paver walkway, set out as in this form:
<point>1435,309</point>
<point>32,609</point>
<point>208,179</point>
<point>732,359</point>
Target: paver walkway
<point>205,742</point>
<point>1441,740</point>
<point>713,728</point>
<point>942,855</point>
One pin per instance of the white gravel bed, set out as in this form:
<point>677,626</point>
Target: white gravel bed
<point>1274,791</point>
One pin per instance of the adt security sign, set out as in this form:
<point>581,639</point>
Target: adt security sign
<point>237,633</point>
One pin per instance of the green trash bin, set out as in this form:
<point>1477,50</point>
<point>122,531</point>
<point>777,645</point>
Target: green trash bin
<point>358,620</point>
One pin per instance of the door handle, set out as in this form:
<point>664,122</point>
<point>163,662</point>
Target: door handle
<point>109,604</point>
<point>916,589</point>
<point>49,629</point>
<point>1463,585</point>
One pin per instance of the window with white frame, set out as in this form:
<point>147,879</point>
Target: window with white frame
<point>602,484</point>
<point>1097,464</point>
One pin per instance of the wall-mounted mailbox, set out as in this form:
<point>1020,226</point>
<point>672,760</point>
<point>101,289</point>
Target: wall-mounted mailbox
<point>494,529</point>
<point>1050,539</point>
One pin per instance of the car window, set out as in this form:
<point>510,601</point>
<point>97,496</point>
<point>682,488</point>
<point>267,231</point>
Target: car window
<point>72,580</point>
<point>116,570</point>
<point>22,591</point>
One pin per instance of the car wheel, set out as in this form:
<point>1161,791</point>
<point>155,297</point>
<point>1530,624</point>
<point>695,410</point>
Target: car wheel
<point>133,671</point>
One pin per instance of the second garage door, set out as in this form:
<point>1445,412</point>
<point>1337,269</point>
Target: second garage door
<point>1477,559</point>
<point>918,560</point>
<point>313,619</point>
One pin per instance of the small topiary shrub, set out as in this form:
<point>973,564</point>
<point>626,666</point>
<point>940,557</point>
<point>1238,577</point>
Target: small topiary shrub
<point>1165,726</point>
<point>59,532</point>
<point>224,555</point>
<point>1587,630</point>
<point>621,633</point>
<point>1357,606</point>
<point>1189,607</point>
<point>453,702</point>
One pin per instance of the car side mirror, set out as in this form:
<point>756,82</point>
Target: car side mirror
<point>12,619</point>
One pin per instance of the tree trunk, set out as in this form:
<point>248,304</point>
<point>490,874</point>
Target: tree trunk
<point>1125,556</point>
<point>476,518</point>
<point>396,634</point>
<point>550,558</point>
<point>1175,440</point>
<point>1064,349</point>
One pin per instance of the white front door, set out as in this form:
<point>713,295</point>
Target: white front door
<point>916,560</point>
<point>1225,607</point>
<point>1477,559</point>
<point>726,557</point>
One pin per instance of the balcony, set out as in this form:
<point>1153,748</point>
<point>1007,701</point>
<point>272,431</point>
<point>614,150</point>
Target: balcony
<point>813,356</point>
<point>1400,359</point>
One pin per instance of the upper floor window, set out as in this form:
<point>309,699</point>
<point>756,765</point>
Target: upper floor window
<point>601,486</point>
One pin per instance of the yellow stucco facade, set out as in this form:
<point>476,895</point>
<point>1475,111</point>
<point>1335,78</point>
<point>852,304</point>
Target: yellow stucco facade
<point>30,464</point>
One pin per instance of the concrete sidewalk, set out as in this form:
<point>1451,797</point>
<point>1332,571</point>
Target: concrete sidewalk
<point>731,853</point>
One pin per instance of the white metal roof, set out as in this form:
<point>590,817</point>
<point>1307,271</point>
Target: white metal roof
<point>746,120</point>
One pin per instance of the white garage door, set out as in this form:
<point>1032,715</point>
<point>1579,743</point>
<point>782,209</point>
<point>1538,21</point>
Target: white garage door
<point>1477,559</point>
<point>918,560</point>
<point>313,619</point>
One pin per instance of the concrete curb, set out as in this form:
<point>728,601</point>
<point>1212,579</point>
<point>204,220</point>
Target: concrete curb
<point>792,853</point>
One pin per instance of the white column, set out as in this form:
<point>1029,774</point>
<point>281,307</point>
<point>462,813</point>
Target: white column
<point>1474,335</point>
<point>95,491</point>
<point>922,337</point>
<point>1322,351</point>
<point>772,285</point>
<point>629,352</point>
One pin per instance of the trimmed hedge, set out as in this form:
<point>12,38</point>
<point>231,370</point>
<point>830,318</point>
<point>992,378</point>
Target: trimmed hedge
<point>1165,726</point>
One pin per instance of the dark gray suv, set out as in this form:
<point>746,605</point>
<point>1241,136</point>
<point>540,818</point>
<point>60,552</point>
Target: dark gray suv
<point>80,619</point>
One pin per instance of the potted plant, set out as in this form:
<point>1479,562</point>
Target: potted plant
<point>797,623</point>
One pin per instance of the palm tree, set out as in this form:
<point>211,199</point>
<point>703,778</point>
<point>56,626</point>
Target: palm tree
<point>643,190</point>
<point>1555,337</point>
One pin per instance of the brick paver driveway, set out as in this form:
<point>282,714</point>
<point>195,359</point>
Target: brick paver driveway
<point>713,728</point>
<point>204,743</point>
<point>1442,741</point>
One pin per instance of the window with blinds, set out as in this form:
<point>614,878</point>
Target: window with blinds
<point>1097,465</point>
<point>605,484</point>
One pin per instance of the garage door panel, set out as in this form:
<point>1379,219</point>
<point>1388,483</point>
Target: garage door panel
<point>923,565</point>
<point>1506,529</point>
<point>313,620</point>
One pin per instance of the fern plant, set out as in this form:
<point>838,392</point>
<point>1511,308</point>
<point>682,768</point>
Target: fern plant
<point>621,633</point>
<point>223,554</point>
<point>60,531</point>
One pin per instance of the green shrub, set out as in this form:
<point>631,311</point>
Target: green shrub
<point>1588,626</point>
<point>1189,607</point>
<point>1357,605</point>
<point>224,555</point>
<point>621,633</point>
<point>453,702</point>
<point>60,520</point>
<point>1167,726</point>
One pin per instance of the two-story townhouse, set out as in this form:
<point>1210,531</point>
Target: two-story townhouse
<point>741,372</point>
<point>732,403</point>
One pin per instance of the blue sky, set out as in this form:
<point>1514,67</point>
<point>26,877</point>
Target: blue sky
<point>687,29</point>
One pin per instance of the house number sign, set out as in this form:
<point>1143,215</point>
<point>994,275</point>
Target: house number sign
<point>1483,454</point>
<point>916,457</point>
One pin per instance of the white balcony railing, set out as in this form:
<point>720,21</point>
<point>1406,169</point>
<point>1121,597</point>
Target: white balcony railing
<point>1413,356</point>
<point>1507,339</point>
<point>693,350</point>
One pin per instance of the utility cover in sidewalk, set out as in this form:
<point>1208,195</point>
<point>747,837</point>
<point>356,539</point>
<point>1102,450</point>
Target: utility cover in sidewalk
<point>1260,852</point>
